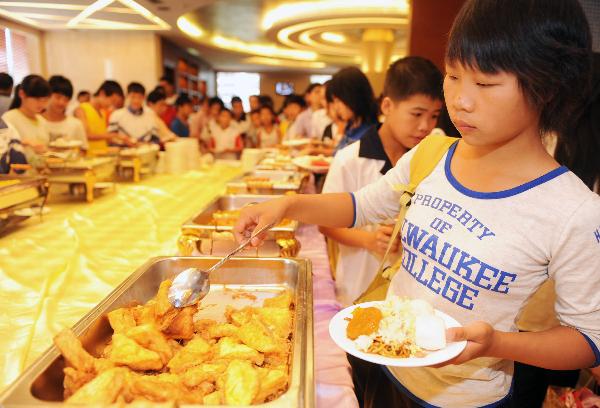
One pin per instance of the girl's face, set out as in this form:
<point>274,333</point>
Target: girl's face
<point>343,111</point>
<point>411,119</point>
<point>487,109</point>
<point>31,104</point>
<point>266,117</point>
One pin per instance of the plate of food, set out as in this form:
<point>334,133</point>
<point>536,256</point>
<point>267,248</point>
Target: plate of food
<point>297,142</point>
<point>396,332</point>
<point>315,164</point>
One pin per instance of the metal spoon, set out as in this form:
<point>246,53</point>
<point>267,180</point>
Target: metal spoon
<point>192,284</point>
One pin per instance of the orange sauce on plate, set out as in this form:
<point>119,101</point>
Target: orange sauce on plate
<point>364,321</point>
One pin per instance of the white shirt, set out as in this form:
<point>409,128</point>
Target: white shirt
<point>225,139</point>
<point>70,129</point>
<point>354,167</point>
<point>140,126</point>
<point>268,139</point>
<point>29,130</point>
<point>320,120</point>
<point>480,256</point>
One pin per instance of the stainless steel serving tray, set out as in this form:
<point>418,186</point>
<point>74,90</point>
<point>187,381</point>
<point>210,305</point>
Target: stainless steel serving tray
<point>283,181</point>
<point>198,233</point>
<point>42,383</point>
<point>26,190</point>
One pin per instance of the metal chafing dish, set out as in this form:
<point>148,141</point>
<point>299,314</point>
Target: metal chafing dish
<point>18,194</point>
<point>137,161</point>
<point>42,383</point>
<point>276,182</point>
<point>88,173</point>
<point>202,235</point>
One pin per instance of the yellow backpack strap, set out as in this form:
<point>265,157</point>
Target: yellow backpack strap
<point>428,154</point>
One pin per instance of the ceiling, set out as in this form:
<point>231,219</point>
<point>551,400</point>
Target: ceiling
<point>308,35</point>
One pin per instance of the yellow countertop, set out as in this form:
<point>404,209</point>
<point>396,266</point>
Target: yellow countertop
<point>52,272</point>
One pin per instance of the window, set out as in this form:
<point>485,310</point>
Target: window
<point>13,54</point>
<point>242,84</point>
<point>319,79</point>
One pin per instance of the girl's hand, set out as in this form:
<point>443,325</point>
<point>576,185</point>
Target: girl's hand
<point>480,337</point>
<point>256,216</point>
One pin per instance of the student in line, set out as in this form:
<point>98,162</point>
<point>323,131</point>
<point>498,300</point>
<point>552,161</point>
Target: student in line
<point>133,124</point>
<point>496,218</point>
<point>180,125</point>
<point>240,118</point>
<point>320,117</point>
<point>352,97</point>
<point>226,141</point>
<point>293,107</point>
<point>268,133</point>
<point>252,133</point>
<point>168,87</point>
<point>303,125</point>
<point>94,115</point>
<point>6,88</point>
<point>412,100</point>
<point>60,126</point>
<point>30,100</point>
<point>156,102</point>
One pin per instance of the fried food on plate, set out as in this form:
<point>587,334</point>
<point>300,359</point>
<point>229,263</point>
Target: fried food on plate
<point>283,300</point>
<point>121,320</point>
<point>126,352</point>
<point>231,349</point>
<point>149,337</point>
<point>257,336</point>
<point>241,383</point>
<point>195,352</point>
<point>104,389</point>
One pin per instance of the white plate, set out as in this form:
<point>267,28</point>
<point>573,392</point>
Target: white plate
<point>304,162</point>
<point>296,142</point>
<point>337,331</point>
<point>66,144</point>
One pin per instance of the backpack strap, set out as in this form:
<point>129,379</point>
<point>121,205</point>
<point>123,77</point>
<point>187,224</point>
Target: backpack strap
<point>428,154</point>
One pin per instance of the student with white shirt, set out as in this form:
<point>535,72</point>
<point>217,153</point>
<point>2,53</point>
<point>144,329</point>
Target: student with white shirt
<point>497,216</point>
<point>134,123</point>
<point>412,100</point>
<point>293,107</point>
<point>268,134</point>
<point>24,116</point>
<point>157,104</point>
<point>226,141</point>
<point>59,124</point>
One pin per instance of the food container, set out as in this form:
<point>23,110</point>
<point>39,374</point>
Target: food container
<point>267,182</point>
<point>42,383</point>
<point>86,172</point>
<point>20,198</point>
<point>134,162</point>
<point>201,235</point>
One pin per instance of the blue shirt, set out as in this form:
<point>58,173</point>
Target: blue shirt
<point>180,128</point>
<point>352,135</point>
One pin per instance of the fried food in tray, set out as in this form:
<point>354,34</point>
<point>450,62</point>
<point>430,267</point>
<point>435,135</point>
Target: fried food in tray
<point>228,218</point>
<point>161,354</point>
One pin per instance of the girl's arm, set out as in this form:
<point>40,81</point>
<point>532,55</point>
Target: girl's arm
<point>330,210</point>
<point>559,348</point>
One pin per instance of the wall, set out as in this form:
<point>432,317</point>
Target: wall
<point>269,79</point>
<point>430,24</point>
<point>35,51</point>
<point>89,57</point>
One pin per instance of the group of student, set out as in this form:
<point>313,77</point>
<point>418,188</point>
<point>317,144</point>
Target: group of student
<point>500,217</point>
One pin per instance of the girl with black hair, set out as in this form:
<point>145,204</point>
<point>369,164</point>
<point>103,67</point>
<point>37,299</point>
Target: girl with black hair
<point>30,100</point>
<point>352,96</point>
<point>512,216</point>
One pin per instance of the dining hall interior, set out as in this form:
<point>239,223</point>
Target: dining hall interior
<point>300,203</point>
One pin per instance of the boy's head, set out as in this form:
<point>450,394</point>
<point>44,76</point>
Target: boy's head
<point>61,92</point>
<point>412,99</point>
<point>254,102</point>
<point>168,85</point>
<point>83,96</point>
<point>224,118</point>
<point>293,105</point>
<point>184,106</point>
<point>215,104</point>
<point>136,93</point>
<point>110,94</point>
<point>156,100</point>
<point>312,96</point>
<point>33,93</point>
<point>267,116</point>
<point>255,117</point>
<point>237,107</point>
<point>6,84</point>
<point>542,45</point>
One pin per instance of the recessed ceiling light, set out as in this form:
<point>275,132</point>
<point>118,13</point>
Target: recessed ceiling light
<point>189,28</point>
<point>336,38</point>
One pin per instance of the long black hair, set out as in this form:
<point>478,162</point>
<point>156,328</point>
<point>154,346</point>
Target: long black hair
<point>352,87</point>
<point>33,86</point>
<point>579,150</point>
<point>546,44</point>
